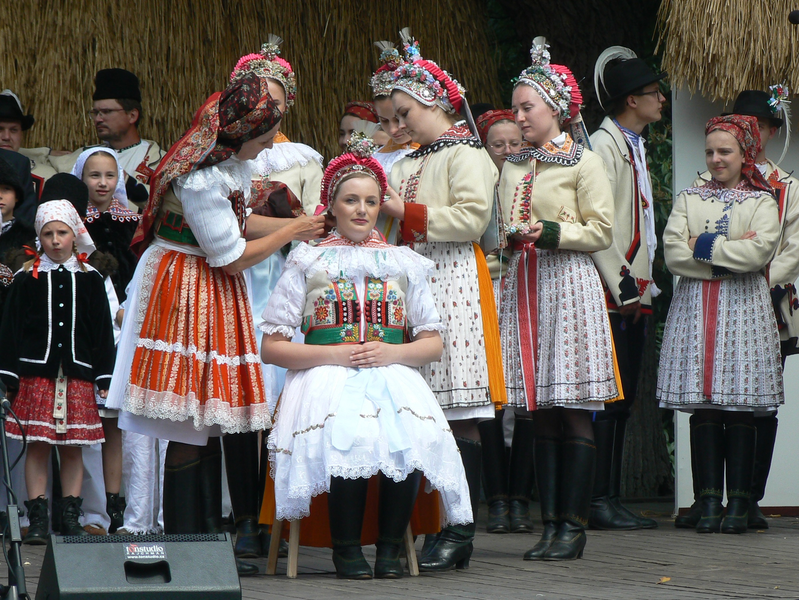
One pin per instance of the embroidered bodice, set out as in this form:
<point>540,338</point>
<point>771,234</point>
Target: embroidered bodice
<point>341,292</point>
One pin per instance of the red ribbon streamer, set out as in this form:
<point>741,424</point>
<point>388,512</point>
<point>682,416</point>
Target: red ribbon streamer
<point>710,313</point>
<point>527,319</point>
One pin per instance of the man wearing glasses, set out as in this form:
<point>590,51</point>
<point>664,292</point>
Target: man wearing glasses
<point>629,90</point>
<point>116,112</point>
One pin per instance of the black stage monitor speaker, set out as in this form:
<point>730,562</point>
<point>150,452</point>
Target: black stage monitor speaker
<point>131,567</point>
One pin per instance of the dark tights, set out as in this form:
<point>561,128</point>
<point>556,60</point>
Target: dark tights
<point>178,454</point>
<point>563,423</point>
<point>725,417</point>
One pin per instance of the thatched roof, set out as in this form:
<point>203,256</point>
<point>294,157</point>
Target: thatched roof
<point>182,51</point>
<point>720,47</point>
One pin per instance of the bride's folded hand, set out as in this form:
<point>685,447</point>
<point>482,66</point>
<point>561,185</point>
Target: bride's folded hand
<point>373,354</point>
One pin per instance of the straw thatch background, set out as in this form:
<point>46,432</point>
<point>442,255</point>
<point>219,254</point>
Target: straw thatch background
<point>720,47</point>
<point>182,51</point>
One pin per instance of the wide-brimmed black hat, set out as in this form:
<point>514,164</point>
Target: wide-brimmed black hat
<point>754,103</point>
<point>9,177</point>
<point>628,75</point>
<point>116,84</point>
<point>11,110</point>
<point>65,186</point>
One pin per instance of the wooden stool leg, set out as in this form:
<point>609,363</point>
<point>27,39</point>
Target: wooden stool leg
<point>274,547</point>
<point>410,553</point>
<point>294,549</point>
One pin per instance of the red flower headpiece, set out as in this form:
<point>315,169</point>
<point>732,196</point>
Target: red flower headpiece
<point>357,159</point>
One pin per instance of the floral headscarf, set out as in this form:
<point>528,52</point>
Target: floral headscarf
<point>744,129</point>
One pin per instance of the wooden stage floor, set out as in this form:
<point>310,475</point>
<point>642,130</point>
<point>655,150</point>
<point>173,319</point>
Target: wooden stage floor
<point>665,563</point>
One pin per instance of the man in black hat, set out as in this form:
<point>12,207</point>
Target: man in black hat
<point>632,95</point>
<point>116,113</point>
<point>770,110</point>
<point>13,125</point>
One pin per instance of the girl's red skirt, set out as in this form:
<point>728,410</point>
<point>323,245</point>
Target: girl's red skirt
<point>34,404</point>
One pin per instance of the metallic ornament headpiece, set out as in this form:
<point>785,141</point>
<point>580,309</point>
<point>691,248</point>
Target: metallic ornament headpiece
<point>554,83</point>
<point>382,81</point>
<point>425,81</point>
<point>269,64</point>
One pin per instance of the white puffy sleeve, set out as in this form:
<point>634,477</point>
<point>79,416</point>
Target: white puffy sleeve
<point>283,312</point>
<point>207,210</point>
<point>422,314</point>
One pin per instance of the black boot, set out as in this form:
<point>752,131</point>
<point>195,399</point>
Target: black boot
<point>495,475</point>
<point>764,450</point>
<point>522,473</point>
<point>547,459</point>
<point>181,497</point>
<point>615,479</point>
<point>70,516</point>
<point>710,471</point>
<point>576,480</point>
<point>115,508</point>
<point>691,518</point>
<point>604,514</point>
<point>55,513</point>
<point>210,487</point>
<point>241,462</point>
<point>739,454</point>
<point>454,546</point>
<point>394,513</point>
<point>430,540</point>
<point>346,503</point>
<point>39,527</point>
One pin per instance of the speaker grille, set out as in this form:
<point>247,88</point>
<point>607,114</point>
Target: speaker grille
<point>126,539</point>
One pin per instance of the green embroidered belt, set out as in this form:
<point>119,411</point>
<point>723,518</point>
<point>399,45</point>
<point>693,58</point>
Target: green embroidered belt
<point>174,228</point>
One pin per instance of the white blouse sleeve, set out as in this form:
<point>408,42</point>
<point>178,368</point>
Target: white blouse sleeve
<point>421,314</point>
<point>283,312</point>
<point>211,219</point>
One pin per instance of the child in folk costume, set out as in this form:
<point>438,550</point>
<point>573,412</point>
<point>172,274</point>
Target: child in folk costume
<point>187,366</point>
<point>354,404</point>
<point>444,195</point>
<point>557,345</point>
<point>720,357</point>
<point>58,344</point>
<point>111,225</point>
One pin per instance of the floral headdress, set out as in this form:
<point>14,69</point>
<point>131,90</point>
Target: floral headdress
<point>268,64</point>
<point>357,159</point>
<point>382,81</point>
<point>425,81</point>
<point>554,83</point>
